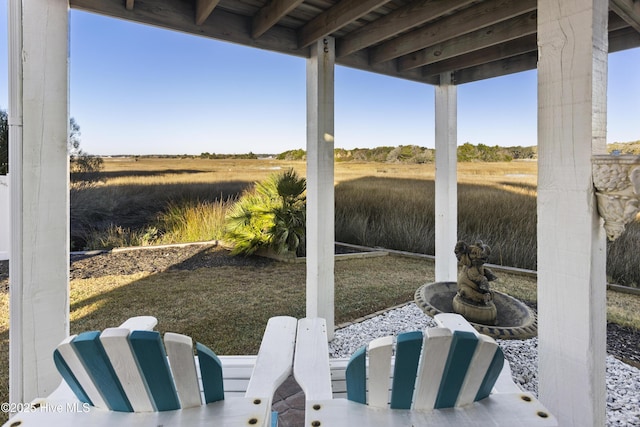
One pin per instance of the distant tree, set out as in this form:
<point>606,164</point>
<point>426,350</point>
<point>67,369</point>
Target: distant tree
<point>83,166</point>
<point>298,154</point>
<point>4,143</point>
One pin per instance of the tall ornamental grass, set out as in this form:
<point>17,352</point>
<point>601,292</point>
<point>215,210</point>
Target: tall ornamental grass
<point>400,214</point>
<point>387,205</point>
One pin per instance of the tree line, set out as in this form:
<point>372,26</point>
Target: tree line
<point>82,165</point>
<point>415,154</point>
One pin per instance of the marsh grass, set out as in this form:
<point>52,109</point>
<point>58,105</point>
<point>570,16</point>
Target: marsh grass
<point>399,213</point>
<point>152,201</point>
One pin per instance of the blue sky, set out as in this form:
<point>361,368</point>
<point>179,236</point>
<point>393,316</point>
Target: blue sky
<point>141,90</point>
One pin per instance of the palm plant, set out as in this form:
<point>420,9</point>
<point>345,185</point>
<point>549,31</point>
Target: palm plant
<point>272,215</point>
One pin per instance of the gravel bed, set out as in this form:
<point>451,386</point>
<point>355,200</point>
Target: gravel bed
<point>623,381</point>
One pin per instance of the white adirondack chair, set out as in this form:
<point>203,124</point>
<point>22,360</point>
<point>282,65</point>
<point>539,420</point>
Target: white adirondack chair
<point>125,377</point>
<point>446,376</point>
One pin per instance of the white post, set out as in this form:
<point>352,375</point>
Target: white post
<point>572,79</point>
<point>320,193</point>
<point>446,205</point>
<point>4,218</point>
<point>38,130</point>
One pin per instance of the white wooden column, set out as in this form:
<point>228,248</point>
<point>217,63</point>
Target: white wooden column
<point>446,205</point>
<point>38,129</point>
<point>320,193</point>
<point>572,79</point>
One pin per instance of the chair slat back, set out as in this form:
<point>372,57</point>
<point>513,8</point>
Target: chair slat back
<point>211,372</point>
<point>380,352</point>
<point>116,344</point>
<point>439,369</point>
<point>152,362</point>
<point>408,346</point>
<point>180,352</point>
<point>130,371</point>
<point>89,349</point>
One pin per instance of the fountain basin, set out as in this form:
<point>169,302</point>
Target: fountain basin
<point>515,320</point>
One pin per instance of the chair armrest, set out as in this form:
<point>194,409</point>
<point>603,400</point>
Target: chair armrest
<point>311,365</point>
<point>275,357</point>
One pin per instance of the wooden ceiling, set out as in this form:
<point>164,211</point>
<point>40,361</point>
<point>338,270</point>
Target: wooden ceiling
<point>411,39</point>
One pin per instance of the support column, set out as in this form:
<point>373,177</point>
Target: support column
<point>38,131</point>
<point>572,79</point>
<point>446,179</point>
<point>320,177</point>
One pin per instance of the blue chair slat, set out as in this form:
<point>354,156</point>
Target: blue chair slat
<point>408,348</point>
<point>463,345</point>
<point>71,380</point>
<point>356,376</point>
<point>211,373</point>
<point>90,351</point>
<point>152,361</point>
<point>493,372</point>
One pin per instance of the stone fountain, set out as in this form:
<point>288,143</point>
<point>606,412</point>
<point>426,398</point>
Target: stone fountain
<point>490,312</point>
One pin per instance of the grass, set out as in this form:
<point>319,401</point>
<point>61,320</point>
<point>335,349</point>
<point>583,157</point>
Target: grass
<point>227,307</point>
<point>157,201</point>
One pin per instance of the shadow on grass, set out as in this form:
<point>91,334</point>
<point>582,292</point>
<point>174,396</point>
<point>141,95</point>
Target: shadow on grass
<point>136,173</point>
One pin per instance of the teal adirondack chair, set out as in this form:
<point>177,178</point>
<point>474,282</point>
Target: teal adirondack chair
<point>128,376</point>
<point>444,376</point>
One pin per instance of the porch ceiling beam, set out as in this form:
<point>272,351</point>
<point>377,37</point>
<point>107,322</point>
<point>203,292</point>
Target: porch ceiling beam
<point>501,32</point>
<point>624,39</point>
<point>516,64</point>
<point>270,14</point>
<point>629,10</point>
<point>335,18</point>
<point>178,15</point>
<point>482,56</point>
<point>471,19</point>
<point>204,8</point>
<point>621,37</point>
<point>129,4</point>
<point>413,14</point>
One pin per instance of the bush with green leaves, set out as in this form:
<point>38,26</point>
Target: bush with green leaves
<point>271,215</point>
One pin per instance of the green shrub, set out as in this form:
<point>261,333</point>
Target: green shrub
<point>271,215</point>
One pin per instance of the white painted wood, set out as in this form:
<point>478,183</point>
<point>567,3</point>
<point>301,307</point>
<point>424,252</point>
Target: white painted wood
<point>38,129</point>
<point>275,357</point>
<point>116,345</point>
<point>311,364</point>
<point>446,203</point>
<point>435,350</point>
<point>226,413</point>
<point>481,361</point>
<point>5,238</point>
<point>15,121</point>
<point>77,367</point>
<point>506,410</point>
<point>454,322</point>
<point>183,368</point>
<point>572,76</point>
<point>320,176</point>
<point>140,323</point>
<point>380,351</point>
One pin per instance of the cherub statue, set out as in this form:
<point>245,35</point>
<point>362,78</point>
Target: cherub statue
<point>474,277</point>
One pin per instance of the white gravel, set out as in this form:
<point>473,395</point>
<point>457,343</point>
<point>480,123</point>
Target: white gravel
<point>623,381</point>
